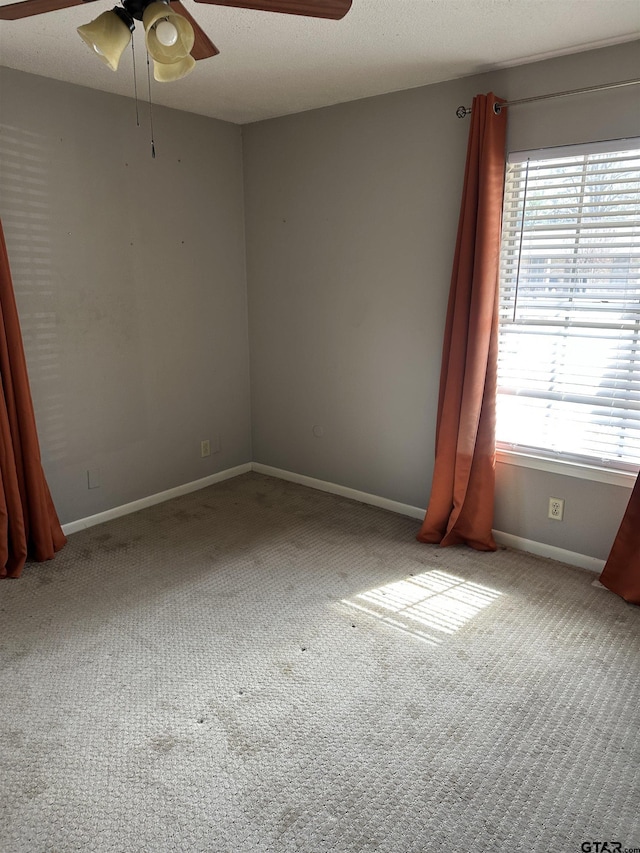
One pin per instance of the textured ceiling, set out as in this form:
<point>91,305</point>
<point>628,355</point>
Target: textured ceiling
<point>271,65</point>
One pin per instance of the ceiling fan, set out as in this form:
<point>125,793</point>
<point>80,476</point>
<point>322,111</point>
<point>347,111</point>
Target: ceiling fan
<point>174,39</point>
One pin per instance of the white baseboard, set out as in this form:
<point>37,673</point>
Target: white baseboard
<point>541,550</point>
<point>151,500</point>
<point>508,539</point>
<point>343,491</point>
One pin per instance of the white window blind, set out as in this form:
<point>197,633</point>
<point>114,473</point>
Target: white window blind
<point>569,345</point>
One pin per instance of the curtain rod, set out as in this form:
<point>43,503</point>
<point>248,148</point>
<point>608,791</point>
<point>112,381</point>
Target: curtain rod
<point>461,112</point>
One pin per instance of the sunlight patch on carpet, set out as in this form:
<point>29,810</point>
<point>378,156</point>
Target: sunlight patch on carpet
<point>429,606</point>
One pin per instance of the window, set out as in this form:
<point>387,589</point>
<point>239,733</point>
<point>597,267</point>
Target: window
<point>569,340</point>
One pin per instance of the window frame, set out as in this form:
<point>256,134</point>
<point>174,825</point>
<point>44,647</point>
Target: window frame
<point>551,461</point>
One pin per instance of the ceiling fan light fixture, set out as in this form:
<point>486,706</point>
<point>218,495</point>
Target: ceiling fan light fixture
<point>168,72</point>
<point>108,35</point>
<point>163,25</point>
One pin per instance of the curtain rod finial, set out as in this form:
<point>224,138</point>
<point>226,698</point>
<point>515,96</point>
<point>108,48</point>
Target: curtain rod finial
<point>462,112</point>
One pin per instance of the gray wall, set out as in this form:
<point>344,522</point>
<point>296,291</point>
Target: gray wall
<point>351,215</point>
<point>130,281</point>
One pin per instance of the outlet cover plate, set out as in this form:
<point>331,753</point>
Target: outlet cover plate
<point>556,509</point>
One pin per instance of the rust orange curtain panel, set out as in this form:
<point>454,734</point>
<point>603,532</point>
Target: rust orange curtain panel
<point>461,504</point>
<point>622,570</point>
<point>29,524</point>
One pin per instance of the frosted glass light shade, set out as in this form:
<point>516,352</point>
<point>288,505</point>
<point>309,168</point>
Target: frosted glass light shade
<point>108,36</point>
<point>167,54</point>
<point>166,73</point>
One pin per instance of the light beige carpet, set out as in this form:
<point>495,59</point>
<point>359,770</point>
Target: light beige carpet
<point>263,668</point>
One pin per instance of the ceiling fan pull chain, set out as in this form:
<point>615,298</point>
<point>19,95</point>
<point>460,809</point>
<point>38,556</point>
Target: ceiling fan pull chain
<point>153,144</point>
<point>135,83</point>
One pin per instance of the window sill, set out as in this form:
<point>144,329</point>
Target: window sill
<point>567,469</point>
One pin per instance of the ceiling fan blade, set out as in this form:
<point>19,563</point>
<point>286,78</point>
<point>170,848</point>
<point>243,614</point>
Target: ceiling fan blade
<point>203,47</point>
<point>27,8</point>
<point>334,9</point>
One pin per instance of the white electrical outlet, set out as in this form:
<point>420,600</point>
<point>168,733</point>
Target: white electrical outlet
<point>556,508</point>
<point>205,448</point>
